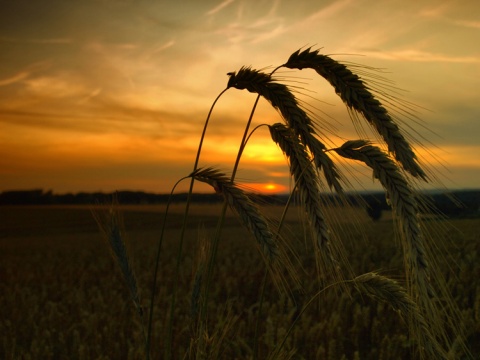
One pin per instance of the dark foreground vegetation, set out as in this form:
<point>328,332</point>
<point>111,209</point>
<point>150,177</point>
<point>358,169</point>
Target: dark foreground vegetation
<point>63,296</point>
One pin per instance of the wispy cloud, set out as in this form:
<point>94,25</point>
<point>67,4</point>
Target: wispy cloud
<point>219,7</point>
<point>36,41</point>
<point>156,49</point>
<point>329,10</point>
<point>90,96</point>
<point>467,23</point>
<point>269,34</point>
<point>162,46</point>
<point>443,12</point>
<point>14,79</point>
<point>26,72</point>
<point>421,56</point>
<point>60,86</point>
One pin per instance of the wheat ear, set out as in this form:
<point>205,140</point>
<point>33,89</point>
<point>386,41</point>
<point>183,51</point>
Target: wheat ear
<point>109,224</point>
<point>357,96</point>
<point>282,99</point>
<point>402,199</point>
<point>303,172</point>
<point>391,293</point>
<point>405,206</point>
<point>243,206</point>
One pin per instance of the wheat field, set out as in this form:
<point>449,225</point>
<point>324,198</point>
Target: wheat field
<point>63,296</point>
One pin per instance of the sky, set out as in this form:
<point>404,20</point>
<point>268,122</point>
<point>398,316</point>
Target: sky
<point>105,95</point>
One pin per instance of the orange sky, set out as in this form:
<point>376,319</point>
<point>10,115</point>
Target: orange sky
<point>101,95</point>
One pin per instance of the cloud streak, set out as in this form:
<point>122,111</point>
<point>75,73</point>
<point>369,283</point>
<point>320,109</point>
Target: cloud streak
<point>415,55</point>
<point>14,79</point>
<point>219,7</point>
<point>59,41</point>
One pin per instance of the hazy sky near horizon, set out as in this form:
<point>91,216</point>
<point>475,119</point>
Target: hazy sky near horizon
<point>103,95</point>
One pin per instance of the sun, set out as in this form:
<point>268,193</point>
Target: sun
<point>270,187</point>
<point>267,188</point>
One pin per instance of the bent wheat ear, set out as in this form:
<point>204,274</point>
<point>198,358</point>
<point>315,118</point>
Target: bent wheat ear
<point>357,96</point>
<point>405,207</point>
<point>390,292</point>
<point>282,99</point>
<point>304,175</point>
<point>243,206</point>
<point>401,197</point>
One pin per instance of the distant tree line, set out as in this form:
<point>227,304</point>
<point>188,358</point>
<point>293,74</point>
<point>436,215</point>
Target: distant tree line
<point>39,197</point>
<point>455,204</point>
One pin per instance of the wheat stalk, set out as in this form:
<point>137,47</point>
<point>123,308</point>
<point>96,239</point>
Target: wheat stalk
<point>243,206</point>
<point>357,96</point>
<point>282,99</point>
<point>200,266</point>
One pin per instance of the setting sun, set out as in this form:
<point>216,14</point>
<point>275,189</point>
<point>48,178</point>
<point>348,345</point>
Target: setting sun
<point>266,188</point>
<point>270,187</point>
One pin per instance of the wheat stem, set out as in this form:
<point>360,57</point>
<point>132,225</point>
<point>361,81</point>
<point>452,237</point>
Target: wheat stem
<point>157,263</point>
<point>168,346</point>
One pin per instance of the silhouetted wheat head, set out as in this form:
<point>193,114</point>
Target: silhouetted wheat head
<point>241,204</point>
<point>390,292</point>
<point>356,94</point>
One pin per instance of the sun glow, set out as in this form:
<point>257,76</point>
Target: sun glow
<point>267,188</point>
<point>271,187</point>
<point>263,152</point>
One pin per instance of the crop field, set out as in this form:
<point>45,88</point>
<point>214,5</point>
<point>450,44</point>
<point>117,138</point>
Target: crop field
<point>64,297</point>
